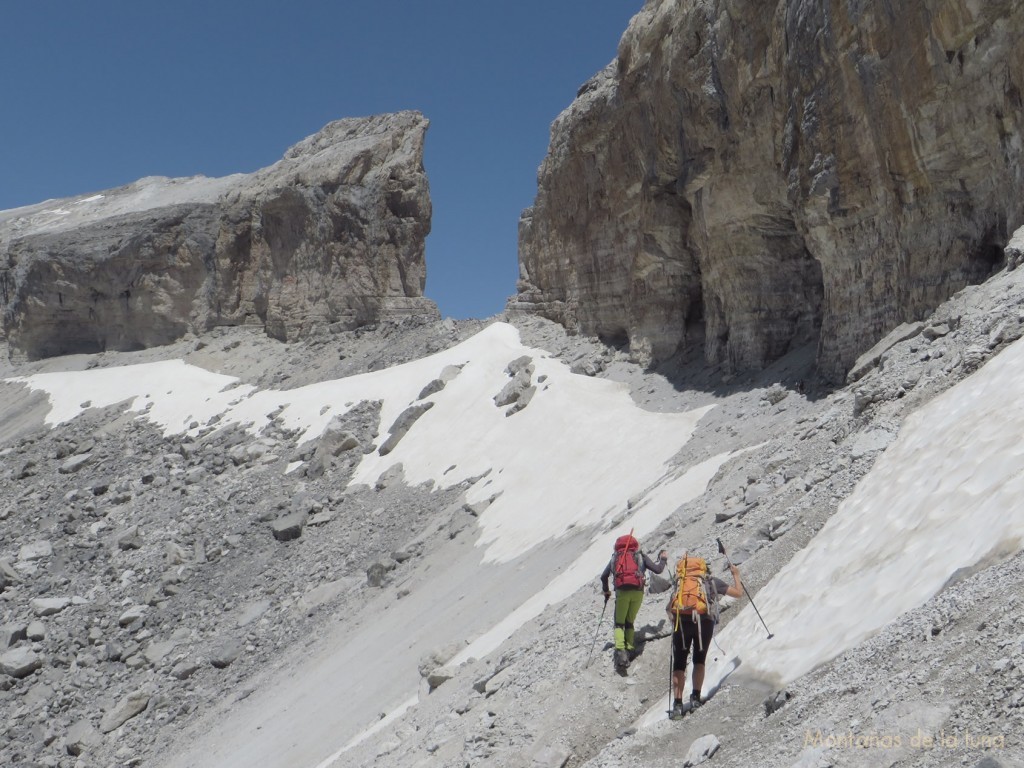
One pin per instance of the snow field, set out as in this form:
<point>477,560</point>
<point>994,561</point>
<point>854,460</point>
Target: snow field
<point>580,457</point>
<point>573,457</point>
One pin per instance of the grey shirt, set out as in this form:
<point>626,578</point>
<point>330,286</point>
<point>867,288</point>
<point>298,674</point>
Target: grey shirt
<point>719,587</point>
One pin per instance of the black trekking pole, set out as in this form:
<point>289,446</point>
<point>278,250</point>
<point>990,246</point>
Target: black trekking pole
<point>721,548</point>
<point>596,633</point>
<point>671,670</point>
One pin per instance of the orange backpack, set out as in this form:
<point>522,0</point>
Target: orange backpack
<point>692,594</point>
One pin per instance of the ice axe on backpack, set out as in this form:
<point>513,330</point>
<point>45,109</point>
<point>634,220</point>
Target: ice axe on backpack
<point>721,548</point>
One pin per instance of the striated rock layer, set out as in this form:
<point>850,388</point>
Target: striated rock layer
<point>751,177</point>
<point>332,234</point>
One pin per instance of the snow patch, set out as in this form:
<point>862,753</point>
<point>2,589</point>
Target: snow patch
<point>145,194</point>
<point>573,457</point>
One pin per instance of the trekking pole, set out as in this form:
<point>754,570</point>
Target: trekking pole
<point>721,548</point>
<point>596,632</point>
<point>672,666</point>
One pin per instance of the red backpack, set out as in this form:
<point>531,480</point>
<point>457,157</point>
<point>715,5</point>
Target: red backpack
<point>626,563</point>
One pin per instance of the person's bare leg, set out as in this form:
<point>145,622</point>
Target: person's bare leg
<point>679,682</point>
<point>698,677</point>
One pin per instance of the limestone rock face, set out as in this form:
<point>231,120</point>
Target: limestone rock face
<point>333,233</point>
<point>749,177</point>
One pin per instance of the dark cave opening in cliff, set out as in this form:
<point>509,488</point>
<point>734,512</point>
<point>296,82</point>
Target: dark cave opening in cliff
<point>694,329</point>
<point>617,338</point>
<point>989,258</point>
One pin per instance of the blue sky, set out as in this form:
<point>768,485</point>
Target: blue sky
<point>98,94</point>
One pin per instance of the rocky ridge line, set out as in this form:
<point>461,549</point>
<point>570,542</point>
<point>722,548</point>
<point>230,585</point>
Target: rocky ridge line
<point>332,235</point>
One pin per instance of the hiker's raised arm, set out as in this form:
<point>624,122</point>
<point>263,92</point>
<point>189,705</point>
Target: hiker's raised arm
<point>656,566</point>
<point>736,590</point>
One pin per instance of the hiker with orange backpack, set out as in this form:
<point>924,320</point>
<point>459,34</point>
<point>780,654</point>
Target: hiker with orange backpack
<point>693,609</point>
<point>629,566</point>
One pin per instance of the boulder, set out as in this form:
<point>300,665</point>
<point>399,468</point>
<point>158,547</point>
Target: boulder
<point>132,615</point>
<point>35,632</point>
<point>391,476</point>
<point>1014,251</point>
<point>656,584</point>
<point>376,574</point>
<point>19,662</point>
<point>437,677</point>
<point>448,373</point>
<point>74,464</point>
<point>183,670</point>
<point>868,360</point>
<point>128,707</point>
<point>11,634</point>
<point>511,392</point>
<point>776,701</point>
<point>335,439</point>
<point>499,680</point>
<point>48,606</point>
<point>129,538</point>
<point>8,575</point>
<point>288,527</point>
<point>402,425</point>
<point>81,737</point>
<point>37,550</point>
<point>224,653</point>
<point>156,652</point>
<point>702,750</point>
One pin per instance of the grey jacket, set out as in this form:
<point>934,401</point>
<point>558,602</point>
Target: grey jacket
<point>646,564</point>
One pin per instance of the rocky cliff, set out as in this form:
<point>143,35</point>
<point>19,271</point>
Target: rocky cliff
<point>749,178</point>
<point>332,234</point>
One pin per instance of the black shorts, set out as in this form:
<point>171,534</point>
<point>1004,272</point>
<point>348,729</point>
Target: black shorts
<point>686,635</point>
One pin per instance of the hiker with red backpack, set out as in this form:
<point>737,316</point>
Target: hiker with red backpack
<point>693,609</point>
<point>629,566</point>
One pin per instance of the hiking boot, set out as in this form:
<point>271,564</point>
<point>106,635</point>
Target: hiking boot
<point>621,658</point>
<point>695,702</point>
<point>677,711</point>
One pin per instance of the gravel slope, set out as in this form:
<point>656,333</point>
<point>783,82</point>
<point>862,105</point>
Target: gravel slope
<point>211,623</point>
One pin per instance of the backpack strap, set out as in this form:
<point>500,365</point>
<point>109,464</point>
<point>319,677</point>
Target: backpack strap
<point>714,607</point>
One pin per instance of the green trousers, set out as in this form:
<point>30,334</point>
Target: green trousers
<point>627,606</point>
